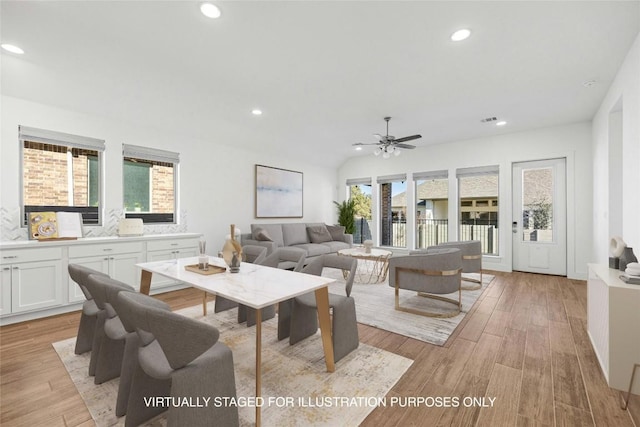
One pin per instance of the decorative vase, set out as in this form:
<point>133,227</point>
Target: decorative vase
<point>234,267</point>
<point>231,246</point>
<point>368,244</point>
<point>627,257</point>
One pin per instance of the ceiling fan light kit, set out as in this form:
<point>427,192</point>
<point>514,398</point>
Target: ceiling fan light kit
<point>389,144</point>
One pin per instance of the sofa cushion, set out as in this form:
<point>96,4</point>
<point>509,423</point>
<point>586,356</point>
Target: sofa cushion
<point>318,233</point>
<point>314,249</point>
<point>294,234</point>
<point>336,232</point>
<point>262,235</point>
<point>273,230</point>
<point>336,246</point>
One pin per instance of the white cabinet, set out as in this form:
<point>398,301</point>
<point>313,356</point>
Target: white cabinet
<point>164,250</point>
<point>34,278</point>
<point>31,279</point>
<point>613,316</point>
<point>118,260</point>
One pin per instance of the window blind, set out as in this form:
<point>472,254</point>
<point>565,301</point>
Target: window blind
<point>359,181</point>
<point>43,136</point>
<point>431,175</point>
<point>477,171</point>
<point>392,178</point>
<point>152,154</point>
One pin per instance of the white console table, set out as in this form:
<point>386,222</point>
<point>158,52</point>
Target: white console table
<point>34,279</point>
<point>613,315</point>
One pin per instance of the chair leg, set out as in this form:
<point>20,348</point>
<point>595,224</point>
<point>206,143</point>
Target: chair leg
<point>98,335</point>
<point>222,304</point>
<point>345,328</point>
<point>267,313</point>
<point>212,376</point>
<point>129,362</point>
<point>109,362</point>
<point>87,327</point>
<point>143,386</point>
<point>455,312</point>
<point>474,287</point>
<point>284,319</point>
<point>304,322</point>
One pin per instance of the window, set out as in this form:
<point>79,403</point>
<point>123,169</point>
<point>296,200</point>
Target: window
<point>360,192</point>
<point>393,210</point>
<point>478,194</point>
<point>432,208</point>
<point>150,182</point>
<point>61,172</point>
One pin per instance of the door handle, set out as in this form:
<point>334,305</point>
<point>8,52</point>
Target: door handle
<point>514,227</point>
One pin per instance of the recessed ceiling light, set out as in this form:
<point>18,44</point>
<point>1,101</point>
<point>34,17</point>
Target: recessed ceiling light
<point>358,148</point>
<point>13,49</point>
<point>210,10</point>
<point>501,123</point>
<point>460,35</point>
<point>256,112</point>
<point>589,83</point>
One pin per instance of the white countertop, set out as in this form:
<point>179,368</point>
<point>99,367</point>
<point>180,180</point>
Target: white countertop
<point>611,276</point>
<point>20,244</point>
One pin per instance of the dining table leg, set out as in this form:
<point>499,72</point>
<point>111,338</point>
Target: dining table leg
<point>145,282</point>
<point>258,363</point>
<point>322,302</point>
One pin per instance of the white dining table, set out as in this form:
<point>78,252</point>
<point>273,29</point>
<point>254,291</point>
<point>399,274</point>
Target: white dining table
<point>255,286</point>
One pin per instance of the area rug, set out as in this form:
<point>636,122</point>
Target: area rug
<point>375,306</point>
<point>294,376</point>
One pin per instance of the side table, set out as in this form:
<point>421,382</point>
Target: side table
<point>372,267</point>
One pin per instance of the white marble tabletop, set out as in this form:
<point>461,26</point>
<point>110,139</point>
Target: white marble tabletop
<point>255,286</point>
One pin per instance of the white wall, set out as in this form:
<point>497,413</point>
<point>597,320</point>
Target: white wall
<point>616,177</point>
<point>216,179</point>
<point>571,141</point>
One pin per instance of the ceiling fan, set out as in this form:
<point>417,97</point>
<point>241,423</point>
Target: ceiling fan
<point>388,144</point>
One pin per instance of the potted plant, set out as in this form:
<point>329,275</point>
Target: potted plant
<point>346,215</point>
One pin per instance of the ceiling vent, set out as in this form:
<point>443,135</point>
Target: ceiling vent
<point>489,119</point>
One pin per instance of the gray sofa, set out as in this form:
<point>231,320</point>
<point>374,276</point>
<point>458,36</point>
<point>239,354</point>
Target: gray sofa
<point>314,239</point>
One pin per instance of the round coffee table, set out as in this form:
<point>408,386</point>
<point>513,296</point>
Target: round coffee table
<point>372,266</point>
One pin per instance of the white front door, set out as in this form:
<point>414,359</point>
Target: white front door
<point>540,217</point>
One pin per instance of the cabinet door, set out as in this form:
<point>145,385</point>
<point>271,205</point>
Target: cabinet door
<point>5,292</point>
<point>98,263</point>
<point>36,285</point>
<point>122,267</point>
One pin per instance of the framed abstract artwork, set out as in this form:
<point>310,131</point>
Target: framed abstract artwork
<point>278,193</point>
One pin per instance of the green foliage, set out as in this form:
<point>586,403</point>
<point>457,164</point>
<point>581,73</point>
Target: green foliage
<point>541,213</point>
<point>346,213</point>
<point>362,202</point>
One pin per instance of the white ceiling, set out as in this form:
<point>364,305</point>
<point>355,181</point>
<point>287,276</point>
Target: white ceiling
<point>324,73</point>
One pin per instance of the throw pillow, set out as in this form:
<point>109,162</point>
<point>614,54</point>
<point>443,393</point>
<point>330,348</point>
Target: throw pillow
<point>336,232</point>
<point>262,235</point>
<point>319,234</point>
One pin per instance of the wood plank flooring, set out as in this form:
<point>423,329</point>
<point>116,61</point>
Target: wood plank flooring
<point>524,344</point>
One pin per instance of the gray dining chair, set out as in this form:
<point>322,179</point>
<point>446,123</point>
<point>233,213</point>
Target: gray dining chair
<point>251,254</point>
<point>109,330</point>
<point>286,259</point>
<point>135,385</point>
<point>89,315</point>
<point>188,353</point>
<point>304,318</point>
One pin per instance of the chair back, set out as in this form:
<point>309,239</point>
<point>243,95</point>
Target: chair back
<point>131,310</point>
<point>291,258</point>
<point>437,273</point>
<point>471,254</point>
<point>79,274</point>
<point>343,263</point>
<point>254,254</point>
<point>98,285</point>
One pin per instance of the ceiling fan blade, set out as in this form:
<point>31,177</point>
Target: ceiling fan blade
<point>408,138</point>
<point>407,146</point>
<point>365,143</point>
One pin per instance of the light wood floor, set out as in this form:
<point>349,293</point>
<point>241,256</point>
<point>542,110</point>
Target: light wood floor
<point>523,343</point>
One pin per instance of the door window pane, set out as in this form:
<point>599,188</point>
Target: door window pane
<point>361,194</point>
<point>393,214</point>
<point>537,205</point>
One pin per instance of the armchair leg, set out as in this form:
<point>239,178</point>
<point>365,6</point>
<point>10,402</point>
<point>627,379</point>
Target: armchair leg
<point>455,312</point>
<point>474,287</point>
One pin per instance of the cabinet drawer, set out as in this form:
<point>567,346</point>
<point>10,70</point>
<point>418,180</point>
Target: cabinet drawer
<point>104,249</point>
<point>30,255</point>
<point>162,245</point>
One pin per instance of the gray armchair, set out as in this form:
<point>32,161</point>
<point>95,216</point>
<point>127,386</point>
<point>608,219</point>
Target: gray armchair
<point>187,352</point>
<point>304,318</point>
<point>89,316</point>
<point>471,259</point>
<point>431,275</point>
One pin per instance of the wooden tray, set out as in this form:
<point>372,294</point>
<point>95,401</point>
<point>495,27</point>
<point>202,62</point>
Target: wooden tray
<point>213,269</point>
